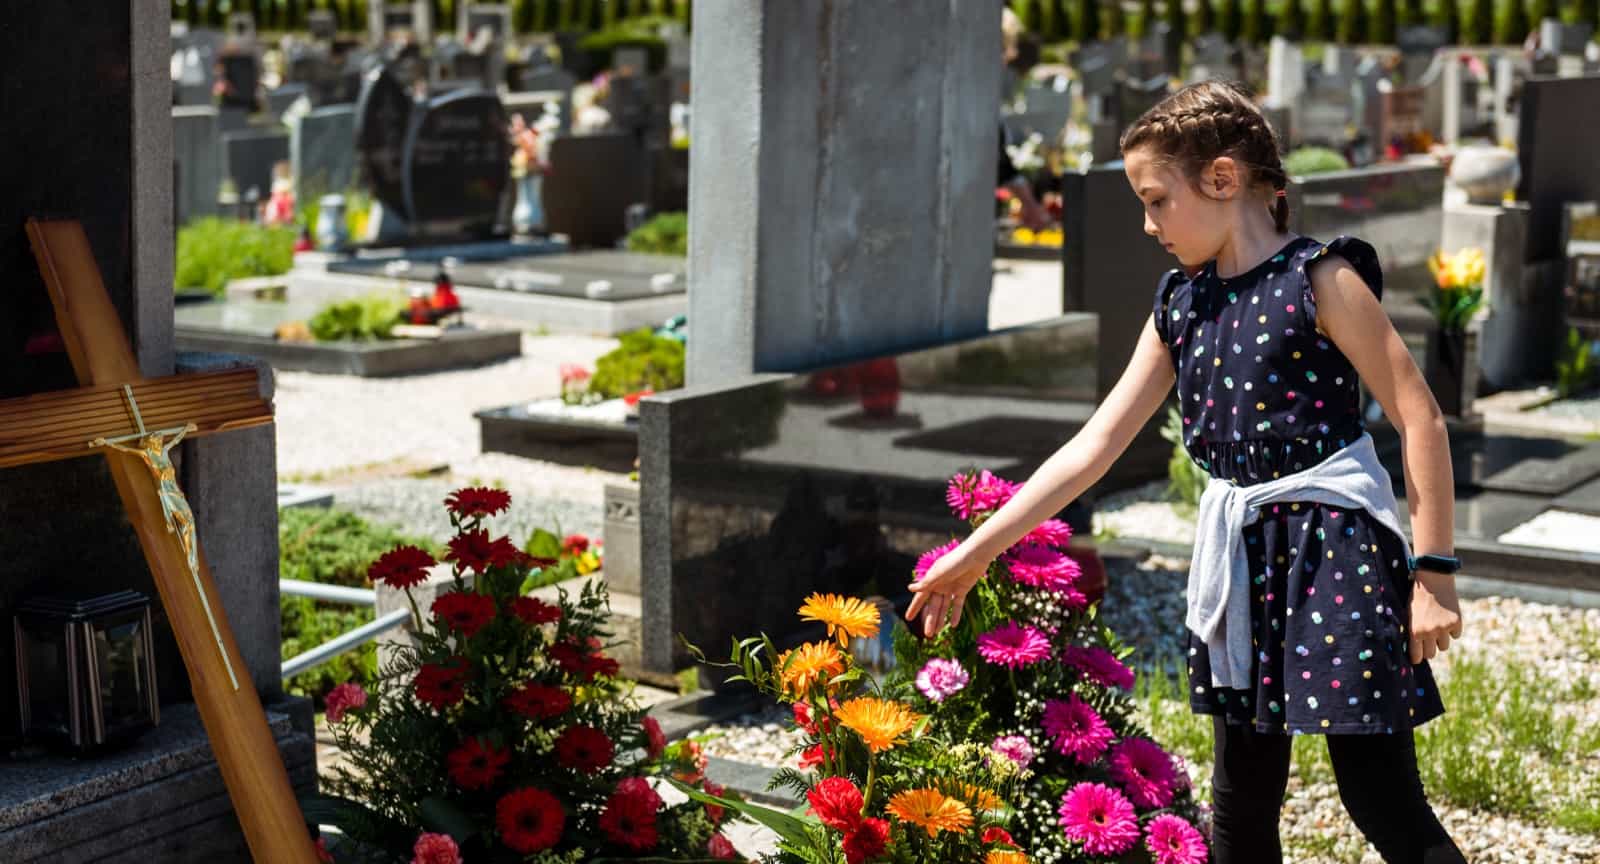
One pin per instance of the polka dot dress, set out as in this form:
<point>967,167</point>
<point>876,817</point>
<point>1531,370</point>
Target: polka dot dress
<point>1263,393</point>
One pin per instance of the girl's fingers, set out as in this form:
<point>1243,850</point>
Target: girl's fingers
<point>1416,650</point>
<point>955,609</point>
<point>918,600</point>
<point>1444,642</point>
<point>933,617</point>
<point>1430,648</point>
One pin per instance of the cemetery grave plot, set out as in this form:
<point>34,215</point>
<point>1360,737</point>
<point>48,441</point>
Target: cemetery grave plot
<point>250,327</point>
<point>605,276</point>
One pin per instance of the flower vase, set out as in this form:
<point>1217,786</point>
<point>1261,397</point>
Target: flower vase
<point>1444,368</point>
<point>528,214</point>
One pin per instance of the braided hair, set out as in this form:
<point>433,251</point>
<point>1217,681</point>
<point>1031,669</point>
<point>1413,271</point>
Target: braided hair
<point>1207,120</point>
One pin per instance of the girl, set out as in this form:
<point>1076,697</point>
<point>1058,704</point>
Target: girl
<point>1306,613</point>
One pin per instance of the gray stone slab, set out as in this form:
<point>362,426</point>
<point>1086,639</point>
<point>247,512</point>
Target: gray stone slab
<point>512,429</point>
<point>1547,477</point>
<point>453,349</point>
<point>749,781</point>
<point>196,144</point>
<point>301,495</point>
<point>322,147</point>
<point>249,155</point>
<point>1584,498</point>
<point>601,276</point>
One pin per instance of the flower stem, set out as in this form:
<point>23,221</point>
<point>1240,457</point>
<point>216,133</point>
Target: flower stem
<point>872,776</point>
<point>416,614</point>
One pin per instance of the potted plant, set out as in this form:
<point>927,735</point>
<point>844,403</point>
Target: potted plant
<point>1456,298</point>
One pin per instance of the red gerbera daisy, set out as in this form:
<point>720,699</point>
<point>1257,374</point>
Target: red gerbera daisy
<point>584,663</point>
<point>473,550</point>
<point>584,748</point>
<point>401,567</point>
<point>534,611</point>
<point>837,803</point>
<point>465,612</point>
<point>475,765</point>
<point>441,685</point>
<point>478,501</point>
<point>539,701</point>
<point>530,820</point>
<point>868,841</point>
<point>575,544</point>
<point>630,821</point>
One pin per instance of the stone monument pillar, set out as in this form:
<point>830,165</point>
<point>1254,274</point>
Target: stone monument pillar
<point>841,179</point>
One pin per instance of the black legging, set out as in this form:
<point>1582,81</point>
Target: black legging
<point>1378,783</point>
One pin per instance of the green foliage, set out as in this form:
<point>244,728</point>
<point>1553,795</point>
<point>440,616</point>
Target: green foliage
<point>665,234</point>
<point>1177,19</point>
<point>1479,23</point>
<point>1410,14</point>
<point>1256,27</point>
<point>212,251</point>
<point>1381,26</point>
<point>330,547</point>
<point>1352,22</point>
<point>644,361</point>
<point>1306,161</point>
<point>1586,12</point>
<point>1538,10</point>
<point>1291,22</point>
<point>632,33</point>
<point>1453,306</point>
<point>1447,14</point>
<point>1576,367</point>
<point>362,320</point>
<point>1139,25</point>
<point>1186,480</point>
<point>1113,21</point>
<point>1321,23</point>
<point>1086,20</point>
<point>1510,22</point>
<point>1202,21</point>
<point>574,559</point>
<point>1230,19</point>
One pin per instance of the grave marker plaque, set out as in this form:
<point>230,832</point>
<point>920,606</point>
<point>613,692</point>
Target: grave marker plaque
<point>457,163</point>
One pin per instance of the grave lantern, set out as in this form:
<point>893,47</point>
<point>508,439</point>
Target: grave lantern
<point>85,669</point>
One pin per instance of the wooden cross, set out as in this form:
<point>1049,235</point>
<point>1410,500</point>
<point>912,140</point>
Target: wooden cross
<point>115,406</point>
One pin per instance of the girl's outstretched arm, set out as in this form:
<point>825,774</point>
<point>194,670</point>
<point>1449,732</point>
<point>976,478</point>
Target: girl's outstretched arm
<point>1350,314</point>
<point>1070,471</point>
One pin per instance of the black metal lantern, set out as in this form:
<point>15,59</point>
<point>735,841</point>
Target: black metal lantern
<point>86,673</point>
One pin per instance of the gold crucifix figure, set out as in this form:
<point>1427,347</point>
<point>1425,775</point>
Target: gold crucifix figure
<point>155,449</point>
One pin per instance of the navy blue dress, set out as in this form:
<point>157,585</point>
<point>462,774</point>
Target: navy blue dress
<point>1264,393</point>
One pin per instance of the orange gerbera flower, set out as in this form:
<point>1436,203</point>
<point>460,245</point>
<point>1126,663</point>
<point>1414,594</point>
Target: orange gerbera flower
<point>931,810</point>
<point>1005,856</point>
<point>846,617</point>
<point>879,722</point>
<point>979,797</point>
<point>807,665</point>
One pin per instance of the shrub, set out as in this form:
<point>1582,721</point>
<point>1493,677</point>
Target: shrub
<point>1575,368</point>
<point>361,320</point>
<point>1353,22</point>
<point>574,555</point>
<point>330,547</point>
<point>1186,480</point>
<point>644,361</point>
<point>1305,161</point>
<point>665,234</point>
<point>507,727</point>
<point>212,251</point>
<point>1320,24</point>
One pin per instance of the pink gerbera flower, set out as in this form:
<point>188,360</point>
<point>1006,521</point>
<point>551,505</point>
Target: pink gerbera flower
<point>1050,532</point>
<point>1100,818</point>
<point>1145,772</point>
<point>1076,729</point>
<point>939,679</point>
<point>1099,665</point>
<point>930,557</point>
<point>1013,646</point>
<point>1042,567</point>
<point>1013,747</point>
<point>1171,840</point>
<point>993,492</point>
<point>959,495</point>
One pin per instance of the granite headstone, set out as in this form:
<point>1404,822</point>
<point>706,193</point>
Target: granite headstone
<point>322,147</point>
<point>383,115</point>
<point>457,164</point>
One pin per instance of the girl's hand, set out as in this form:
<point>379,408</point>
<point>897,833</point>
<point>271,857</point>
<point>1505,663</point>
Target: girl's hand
<point>943,590</point>
<point>1435,614</point>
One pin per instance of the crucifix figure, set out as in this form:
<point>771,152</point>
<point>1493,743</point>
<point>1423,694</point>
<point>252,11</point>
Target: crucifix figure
<point>154,451</point>
<point>136,422</point>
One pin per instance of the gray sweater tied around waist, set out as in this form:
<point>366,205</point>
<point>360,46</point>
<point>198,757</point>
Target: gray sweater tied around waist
<point>1219,573</point>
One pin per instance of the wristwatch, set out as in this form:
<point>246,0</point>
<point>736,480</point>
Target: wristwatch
<point>1435,563</point>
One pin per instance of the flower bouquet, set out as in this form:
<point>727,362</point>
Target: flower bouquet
<point>1457,297</point>
<point>1007,738</point>
<point>504,733</point>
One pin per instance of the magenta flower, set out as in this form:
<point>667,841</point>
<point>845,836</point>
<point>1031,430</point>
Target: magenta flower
<point>959,495</point>
<point>930,557</point>
<point>345,697</point>
<point>1099,665</point>
<point>940,679</point>
<point>1145,771</point>
<point>1075,729</point>
<point>1050,532</point>
<point>1100,818</point>
<point>1013,646</point>
<point>993,492</point>
<point>1013,747</point>
<point>1042,567</point>
<point>1171,840</point>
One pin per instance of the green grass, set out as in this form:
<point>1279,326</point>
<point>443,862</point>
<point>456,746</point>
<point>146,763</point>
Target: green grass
<point>212,251</point>
<point>1502,746</point>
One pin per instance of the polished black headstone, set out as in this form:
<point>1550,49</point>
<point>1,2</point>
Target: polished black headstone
<point>593,180</point>
<point>383,115</point>
<point>457,164</point>
<point>1558,160</point>
<point>249,157</point>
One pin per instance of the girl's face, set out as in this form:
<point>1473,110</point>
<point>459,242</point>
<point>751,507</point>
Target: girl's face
<point>1186,223</point>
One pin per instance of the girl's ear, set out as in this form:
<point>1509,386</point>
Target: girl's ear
<point>1220,179</point>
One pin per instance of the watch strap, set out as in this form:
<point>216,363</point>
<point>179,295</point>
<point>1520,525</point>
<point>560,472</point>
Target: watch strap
<point>1436,563</point>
